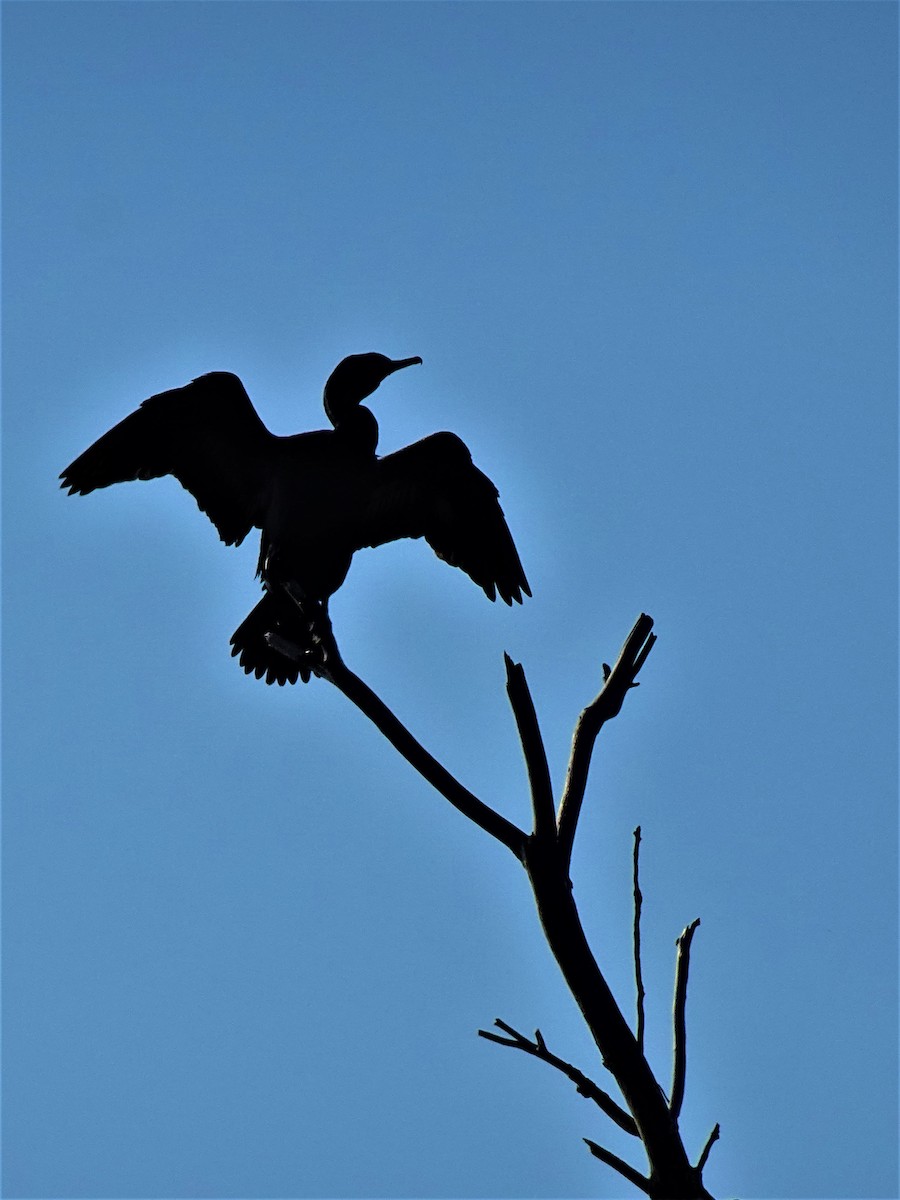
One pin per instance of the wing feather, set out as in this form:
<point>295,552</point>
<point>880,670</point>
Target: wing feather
<point>207,434</point>
<point>432,489</point>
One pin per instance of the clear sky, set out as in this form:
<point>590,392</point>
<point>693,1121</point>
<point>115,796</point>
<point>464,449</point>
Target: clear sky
<point>648,255</point>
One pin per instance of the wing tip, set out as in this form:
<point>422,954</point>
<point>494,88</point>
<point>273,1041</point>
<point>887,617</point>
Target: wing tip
<point>515,593</point>
<point>65,481</point>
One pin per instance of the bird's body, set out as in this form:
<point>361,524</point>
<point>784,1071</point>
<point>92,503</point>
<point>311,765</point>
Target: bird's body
<point>317,497</point>
<point>315,504</point>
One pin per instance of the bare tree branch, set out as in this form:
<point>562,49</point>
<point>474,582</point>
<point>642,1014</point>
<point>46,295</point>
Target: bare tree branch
<point>710,1141</point>
<point>672,1176</point>
<point>602,708</point>
<point>533,749</point>
<point>336,672</point>
<point>682,964</point>
<point>545,855</point>
<point>586,1087</point>
<point>619,1164</point>
<point>638,974</point>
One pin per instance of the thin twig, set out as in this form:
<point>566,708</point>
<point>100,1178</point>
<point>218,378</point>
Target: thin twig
<point>638,975</point>
<point>682,964</point>
<point>533,749</point>
<point>620,1165</point>
<point>336,672</point>
<point>710,1141</point>
<point>586,1087</point>
<point>606,705</point>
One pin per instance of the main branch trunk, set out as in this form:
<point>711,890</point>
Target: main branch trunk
<point>671,1175</point>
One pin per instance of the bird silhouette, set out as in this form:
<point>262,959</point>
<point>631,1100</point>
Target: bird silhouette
<point>318,497</point>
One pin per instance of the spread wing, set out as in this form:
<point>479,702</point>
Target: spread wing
<point>207,434</point>
<point>432,489</point>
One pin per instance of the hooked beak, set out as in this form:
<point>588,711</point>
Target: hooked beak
<point>399,363</point>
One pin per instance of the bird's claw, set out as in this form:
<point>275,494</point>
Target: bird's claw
<point>310,657</point>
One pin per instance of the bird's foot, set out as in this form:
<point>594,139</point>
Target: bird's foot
<point>314,611</point>
<point>309,643</point>
<point>297,594</point>
<point>309,657</point>
<point>312,651</point>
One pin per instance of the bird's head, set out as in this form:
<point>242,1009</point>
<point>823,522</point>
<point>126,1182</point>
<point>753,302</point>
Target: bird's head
<point>356,377</point>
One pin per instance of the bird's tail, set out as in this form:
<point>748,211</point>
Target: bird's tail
<point>279,617</point>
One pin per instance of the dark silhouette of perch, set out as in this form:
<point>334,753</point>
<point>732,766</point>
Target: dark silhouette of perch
<point>317,497</point>
<point>545,854</point>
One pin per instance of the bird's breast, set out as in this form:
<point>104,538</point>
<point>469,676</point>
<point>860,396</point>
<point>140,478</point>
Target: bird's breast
<point>314,518</point>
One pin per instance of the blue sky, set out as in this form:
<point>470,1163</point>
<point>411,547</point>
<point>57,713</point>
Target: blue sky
<point>648,255</point>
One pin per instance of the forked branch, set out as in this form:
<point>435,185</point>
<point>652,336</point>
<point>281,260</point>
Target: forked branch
<point>606,705</point>
<point>546,855</point>
<point>585,1087</point>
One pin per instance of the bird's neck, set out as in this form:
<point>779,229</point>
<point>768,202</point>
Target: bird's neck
<point>356,427</point>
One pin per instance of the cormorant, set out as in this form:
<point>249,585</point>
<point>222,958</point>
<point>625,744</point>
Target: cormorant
<point>317,497</point>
